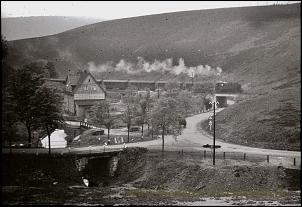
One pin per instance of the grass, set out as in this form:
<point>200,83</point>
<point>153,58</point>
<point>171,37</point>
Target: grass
<point>265,121</point>
<point>94,140</point>
<point>259,194</point>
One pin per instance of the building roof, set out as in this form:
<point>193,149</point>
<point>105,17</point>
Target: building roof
<point>82,77</point>
<point>74,79</point>
<point>116,81</point>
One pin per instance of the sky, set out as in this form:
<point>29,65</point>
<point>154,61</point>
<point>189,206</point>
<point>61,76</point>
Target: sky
<point>109,10</point>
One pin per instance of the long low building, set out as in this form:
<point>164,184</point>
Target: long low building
<point>82,90</point>
<point>124,84</point>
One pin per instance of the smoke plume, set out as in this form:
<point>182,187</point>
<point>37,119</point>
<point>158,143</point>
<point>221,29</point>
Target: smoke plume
<point>159,66</point>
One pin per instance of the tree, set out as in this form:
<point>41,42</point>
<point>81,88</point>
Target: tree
<point>204,88</point>
<point>184,98</point>
<point>51,70</point>
<point>142,113</point>
<point>22,91</point>
<point>8,114</point>
<point>49,115</point>
<point>6,69</point>
<point>9,117</point>
<point>130,114</point>
<point>199,104</point>
<point>100,115</point>
<point>149,103</point>
<point>172,86</point>
<point>166,116</point>
<point>38,67</point>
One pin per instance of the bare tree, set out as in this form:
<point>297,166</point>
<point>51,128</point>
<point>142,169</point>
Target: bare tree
<point>130,114</point>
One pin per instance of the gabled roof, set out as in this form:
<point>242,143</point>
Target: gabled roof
<point>73,79</point>
<point>81,79</point>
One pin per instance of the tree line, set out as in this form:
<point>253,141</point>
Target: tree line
<point>26,99</point>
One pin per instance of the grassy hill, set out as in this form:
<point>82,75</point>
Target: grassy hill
<point>14,28</point>
<point>258,47</point>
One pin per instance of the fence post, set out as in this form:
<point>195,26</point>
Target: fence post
<point>244,155</point>
<point>294,161</point>
<point>224,155</point>
<point>267,158</point>
<point>204,154</point>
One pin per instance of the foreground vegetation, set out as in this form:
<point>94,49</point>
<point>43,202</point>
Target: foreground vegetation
<point>31,179</point>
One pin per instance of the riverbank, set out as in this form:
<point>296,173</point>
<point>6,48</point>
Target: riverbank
<point>144,177</point>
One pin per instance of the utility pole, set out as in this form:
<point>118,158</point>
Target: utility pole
<point>192,81</point>
<point>214,135</point>
<point>214,146</point>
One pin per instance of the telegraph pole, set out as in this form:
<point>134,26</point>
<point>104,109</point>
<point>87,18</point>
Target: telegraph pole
<point>214,135</point>
<point>214,146</point>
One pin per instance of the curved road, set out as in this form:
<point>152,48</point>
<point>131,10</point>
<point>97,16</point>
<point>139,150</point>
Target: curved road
<point>192,139</point>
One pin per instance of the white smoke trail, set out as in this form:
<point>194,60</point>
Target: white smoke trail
<point>161,66</point>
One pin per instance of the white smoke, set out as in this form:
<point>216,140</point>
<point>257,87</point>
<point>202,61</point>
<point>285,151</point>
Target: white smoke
<point>161,66</point>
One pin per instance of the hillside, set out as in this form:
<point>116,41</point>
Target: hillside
<point>14,28</point>
<point>258,47</point>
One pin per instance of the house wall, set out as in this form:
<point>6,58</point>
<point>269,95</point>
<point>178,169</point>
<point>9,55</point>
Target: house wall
<point>69,103</point>
<point>116,84</point>
<point>89,90</point>
<point>80,111</point>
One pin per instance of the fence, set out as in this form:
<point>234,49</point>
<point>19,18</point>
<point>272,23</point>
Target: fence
<point>206,154</point>
<point>175,152</point>
<point>62,151</point>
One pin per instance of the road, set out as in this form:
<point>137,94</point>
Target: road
<point>193,138</point>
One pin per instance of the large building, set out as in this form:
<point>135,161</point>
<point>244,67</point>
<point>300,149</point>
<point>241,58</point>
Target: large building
<point>81,92</point>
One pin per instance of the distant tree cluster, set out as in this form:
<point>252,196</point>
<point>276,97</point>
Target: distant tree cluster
<point>163,114</point>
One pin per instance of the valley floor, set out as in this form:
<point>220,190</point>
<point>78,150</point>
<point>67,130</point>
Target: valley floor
<point>193,138</point>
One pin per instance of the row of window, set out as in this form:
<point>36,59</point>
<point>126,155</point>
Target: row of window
<point>90,87</point>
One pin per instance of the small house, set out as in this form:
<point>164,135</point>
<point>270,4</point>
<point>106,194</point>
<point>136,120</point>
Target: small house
<point>81,92</point>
